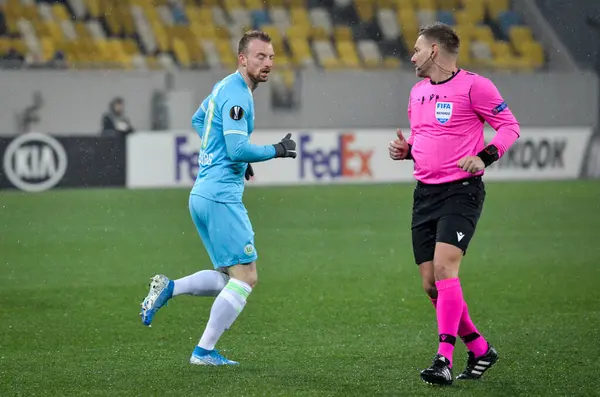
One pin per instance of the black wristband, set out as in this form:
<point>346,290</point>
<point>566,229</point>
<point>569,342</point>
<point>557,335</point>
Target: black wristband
<point>409,154</point>
<point>488,155</point>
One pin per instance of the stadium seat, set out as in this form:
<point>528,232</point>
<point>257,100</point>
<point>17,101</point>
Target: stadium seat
<point>448,5</point>
<point>387,23</point>
<point>508,19</point>
<point>481,54</point>
<point>325,54</point>
<point>343,33</point>
<point>446,17</point>
<point>280,18</point>
<point>255,5</point>
<point>426,4</point>
<point>495,7</point>
<point>259,18</point>
<point>305,32</point>
<point>369,53</point>
<point>347,54</point>
<point>426,17</point>
<point>301,53</point>
<point>365,10</point>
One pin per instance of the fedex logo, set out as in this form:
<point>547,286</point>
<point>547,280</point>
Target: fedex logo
<point>186,161</point>
<point>340,162</point>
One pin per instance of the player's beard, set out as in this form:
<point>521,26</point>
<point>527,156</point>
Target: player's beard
<point>261,76</point>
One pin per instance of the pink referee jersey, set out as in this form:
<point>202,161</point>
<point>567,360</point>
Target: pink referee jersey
<point>446,122</point>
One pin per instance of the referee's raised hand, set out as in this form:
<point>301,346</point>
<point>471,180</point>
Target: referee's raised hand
<point>398,148</point>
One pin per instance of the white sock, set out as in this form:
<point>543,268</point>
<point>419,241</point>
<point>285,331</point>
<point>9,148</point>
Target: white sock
<point>202,283</point>
<point>227,307</point>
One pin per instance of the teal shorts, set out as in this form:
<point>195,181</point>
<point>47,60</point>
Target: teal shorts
<point>225,230</point>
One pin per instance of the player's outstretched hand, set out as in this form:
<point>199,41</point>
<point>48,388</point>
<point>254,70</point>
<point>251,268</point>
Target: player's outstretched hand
<point>398,148</point>
<point>286,148</point>
<point>471,164</point>
<point>249,172</point>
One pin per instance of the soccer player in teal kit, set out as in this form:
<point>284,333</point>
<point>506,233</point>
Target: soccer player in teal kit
<point>224,122</point>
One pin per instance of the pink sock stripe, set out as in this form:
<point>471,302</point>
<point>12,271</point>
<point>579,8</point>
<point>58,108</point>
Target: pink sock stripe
<point>447,283</point>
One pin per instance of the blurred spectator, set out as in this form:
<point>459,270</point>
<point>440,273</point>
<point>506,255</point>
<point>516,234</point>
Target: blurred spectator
<point>2,24</point>
<point>114,122</point>
<point>31,115</point>
<point>178,12</point>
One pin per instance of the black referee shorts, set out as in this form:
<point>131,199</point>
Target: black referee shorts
<point>446,213</point>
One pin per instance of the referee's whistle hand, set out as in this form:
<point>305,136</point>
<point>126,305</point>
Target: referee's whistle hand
<point>471,164</point>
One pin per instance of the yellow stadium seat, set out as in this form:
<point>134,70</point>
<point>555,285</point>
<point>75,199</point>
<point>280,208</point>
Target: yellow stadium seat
<point>297,3</point>
<point>300,49</point>
<point>299,16</point>
<point>255,5</point>
<point>20,46</point>
<point>181,53</point>
<point>426,4</point>
<point>342,33</point>
<point>319,33</point>
<point>277,41</point>
<point>160,34</point>
<point>229,5</point>
<point>47,49</point>
<point>204,31</point>
<point>520,36</point>
<point>501,49</point>
<point>226,54</point>
<point>272,31</point>
<point>364,9</point>
<point>30,12</point>
<point>390,4</point>
<point>195,51</point>
<point>114,25</point>
<point>130,47</point>
<point>82,31</point>
<point>347,53</point>
<point>535,53</point>
<point>210,3</point>
<point>60,12</point>
<point>448,5</point>
<point>298,31</point>
<point>464,52</point>
<point>275,3</point>
<point>465,32</point>
<point>495,7</point>
<point>484,33</point>
<point>5,45</point>
<point>94,8</point>
<point>391,63</point>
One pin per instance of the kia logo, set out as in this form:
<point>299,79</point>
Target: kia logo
<point>35,162</point>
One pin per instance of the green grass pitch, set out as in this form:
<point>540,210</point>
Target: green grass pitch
<point>338,309</point>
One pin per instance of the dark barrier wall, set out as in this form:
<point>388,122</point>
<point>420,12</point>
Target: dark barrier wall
<point>35,162</point>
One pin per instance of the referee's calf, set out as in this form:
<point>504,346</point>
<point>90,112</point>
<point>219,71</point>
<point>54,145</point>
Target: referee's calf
<point>447,111</point>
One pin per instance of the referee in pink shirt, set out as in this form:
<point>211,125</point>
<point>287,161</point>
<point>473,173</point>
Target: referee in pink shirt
<point>447,111</point>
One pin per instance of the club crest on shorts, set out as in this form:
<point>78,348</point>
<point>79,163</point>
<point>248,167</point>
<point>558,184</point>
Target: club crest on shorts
<point>443,112</point>
<point>249,249</point>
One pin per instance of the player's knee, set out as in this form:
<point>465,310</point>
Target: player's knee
<point>446,261</point>
<point>252,281</point>
<point>430,290</point>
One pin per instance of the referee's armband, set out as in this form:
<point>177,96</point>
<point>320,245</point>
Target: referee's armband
<point>488,155</point>
<point>409,154</point>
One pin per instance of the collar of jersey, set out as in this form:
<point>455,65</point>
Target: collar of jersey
<point>447,80</point>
